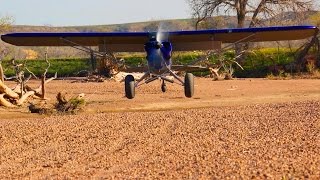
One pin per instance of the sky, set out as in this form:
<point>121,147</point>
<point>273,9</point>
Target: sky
<point>92,12</point>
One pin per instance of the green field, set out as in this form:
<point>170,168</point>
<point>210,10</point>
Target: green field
<point>64,67</point>
<point>258,63</point>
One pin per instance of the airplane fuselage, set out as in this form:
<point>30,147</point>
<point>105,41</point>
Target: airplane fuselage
<point>158,55</point>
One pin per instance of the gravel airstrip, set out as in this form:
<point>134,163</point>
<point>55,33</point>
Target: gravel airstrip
<point>238,129</point>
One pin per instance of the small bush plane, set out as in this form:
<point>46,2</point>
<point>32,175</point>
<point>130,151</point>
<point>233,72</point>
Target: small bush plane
<point>159,46</point>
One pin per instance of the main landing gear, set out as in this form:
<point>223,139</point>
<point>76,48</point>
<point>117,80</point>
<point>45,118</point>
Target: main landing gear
<point>188,83</point>
<point>129,86</point>
<point>163,86</point>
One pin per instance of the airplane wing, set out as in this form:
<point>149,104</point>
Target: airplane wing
<point>181,40</point>
<point>280,33</point>
<point>114,41</point>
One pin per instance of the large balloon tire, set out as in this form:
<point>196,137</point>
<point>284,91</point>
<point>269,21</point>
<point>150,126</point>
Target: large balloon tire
<point>189,85</point>
<point>129,86</point>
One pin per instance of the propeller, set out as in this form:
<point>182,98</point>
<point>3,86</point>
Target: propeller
<point>161,33</point>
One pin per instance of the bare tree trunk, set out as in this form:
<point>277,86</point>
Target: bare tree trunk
<point>43,90</point>
<point>43,77</point>
<point>199,21</point>
<point>1,73</point>
<point>239,48</point>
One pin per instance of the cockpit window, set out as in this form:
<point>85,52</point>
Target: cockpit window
<point>154,44</point>
<point>150,45</point>
<point>167,45</point>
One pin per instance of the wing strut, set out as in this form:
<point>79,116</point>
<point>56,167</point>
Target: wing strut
<point>240,41</point>
<point>211,52</point>
<point>108,56</point>
<point>82,48</point>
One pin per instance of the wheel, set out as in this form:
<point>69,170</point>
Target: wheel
<point>129,86</point>
<point>163,87</point>
<point>189,85</point>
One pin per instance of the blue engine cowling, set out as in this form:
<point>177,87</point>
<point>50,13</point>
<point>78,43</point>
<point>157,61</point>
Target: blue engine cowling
<point>158,53</point>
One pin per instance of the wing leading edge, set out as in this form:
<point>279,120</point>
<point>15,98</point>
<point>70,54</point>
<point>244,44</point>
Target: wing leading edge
<point>181,40</point>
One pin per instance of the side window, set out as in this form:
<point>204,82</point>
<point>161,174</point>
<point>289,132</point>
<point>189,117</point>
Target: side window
<point>167,46</point>
<point>147,46</point>
<point>166,50</point>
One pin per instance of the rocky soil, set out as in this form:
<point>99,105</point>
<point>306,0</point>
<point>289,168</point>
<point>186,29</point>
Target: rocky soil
<point>269,130</point>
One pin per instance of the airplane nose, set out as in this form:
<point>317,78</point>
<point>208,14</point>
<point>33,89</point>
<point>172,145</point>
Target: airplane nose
<point>158,45</point>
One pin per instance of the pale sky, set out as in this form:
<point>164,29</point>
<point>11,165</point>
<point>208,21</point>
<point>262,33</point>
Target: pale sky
<point>92,12</point>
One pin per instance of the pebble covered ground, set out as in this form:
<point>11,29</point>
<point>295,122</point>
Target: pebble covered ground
<point>240,129</point>
<point>270,141</point>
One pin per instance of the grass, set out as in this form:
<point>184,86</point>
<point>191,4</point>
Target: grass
<point>64,67</point>
<point>258,63</point>
<point>281,76</point>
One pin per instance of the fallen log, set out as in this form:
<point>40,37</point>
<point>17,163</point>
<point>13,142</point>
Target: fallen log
<point>5,102</point>
<point>19,101</point>
<point>24,97</point>
<point>7,91</point>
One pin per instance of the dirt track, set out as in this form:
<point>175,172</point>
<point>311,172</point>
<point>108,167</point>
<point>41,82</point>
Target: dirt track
<point>230,129</point>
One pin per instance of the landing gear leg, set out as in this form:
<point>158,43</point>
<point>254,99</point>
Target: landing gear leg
<point>163,86</point>
<point>129,86</point>
<point>189,85</point>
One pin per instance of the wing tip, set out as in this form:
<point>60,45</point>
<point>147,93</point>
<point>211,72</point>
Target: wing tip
<point>3,38</point>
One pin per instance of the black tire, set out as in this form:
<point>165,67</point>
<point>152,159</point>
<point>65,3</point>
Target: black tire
<point>129,86</point>
<point>163,87</point>
<point>189,85</point>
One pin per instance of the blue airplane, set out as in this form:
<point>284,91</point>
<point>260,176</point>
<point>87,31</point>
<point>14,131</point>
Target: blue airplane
<point>159,46</point>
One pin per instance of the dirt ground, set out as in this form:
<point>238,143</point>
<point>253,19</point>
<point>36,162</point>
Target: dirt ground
<point>245,128</point>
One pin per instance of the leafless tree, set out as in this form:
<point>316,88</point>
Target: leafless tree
<point>251,13</point>
<point>255,11</point>
<point>5,23</point>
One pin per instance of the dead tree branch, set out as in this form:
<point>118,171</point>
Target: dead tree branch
<point>39,89</point>
<point>1,72</point>
<point>24,97</point>
<point>5,102</point>
<point>72,105</point>
<point>8,92</point>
